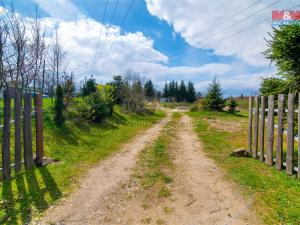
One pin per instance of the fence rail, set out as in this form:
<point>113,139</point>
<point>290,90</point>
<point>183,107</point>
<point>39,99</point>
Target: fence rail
<point>261,118</point>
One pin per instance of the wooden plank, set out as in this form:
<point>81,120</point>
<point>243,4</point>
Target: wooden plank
<point>279,146</point>
<point>262,128</point>
<point>39,130</point>
<point>298,137</point>
<point>270,131</point>
<point>290,136</point>
<point>27,133</point>
<point>256,121</point>
<point>6,172</point>
<point>250,126</point>
<point>17,122</point>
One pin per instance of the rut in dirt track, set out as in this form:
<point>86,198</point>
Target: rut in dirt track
<point>100,181</point>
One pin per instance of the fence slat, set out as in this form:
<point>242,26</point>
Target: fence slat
<point>256,121</point>
<point>17,122</point>
<point>6,171</point>
<point>279,146</point>
<point>290,136</point>
<point>270,131</point>
<point>39,130</point>
<point>250,126</point>
<point>298,137</point>
<point>28,157</point>
<point>262,127</point>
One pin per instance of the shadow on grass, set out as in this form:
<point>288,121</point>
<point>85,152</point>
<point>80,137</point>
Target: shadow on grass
<point>26,194</point>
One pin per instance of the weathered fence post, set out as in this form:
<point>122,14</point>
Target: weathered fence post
<point>290,136</point>
<point>18,147</point>
<point>28,157</point>
<point>6,170</point>
<point>279,145</point>
<point>270,131</point>
<point>250,126</point>
<point>299,136</point>
<point>256,120</point>
<point>262,127</point>
<point>39,130</point>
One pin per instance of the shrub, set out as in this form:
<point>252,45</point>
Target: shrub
<point>232,106</point>
<point>95,107</point>
<point>59,118</point>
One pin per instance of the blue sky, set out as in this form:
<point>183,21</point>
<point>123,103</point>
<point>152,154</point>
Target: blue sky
<point>163,39</point>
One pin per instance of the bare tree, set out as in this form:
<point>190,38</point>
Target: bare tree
<point>56,59</point>
<point>37,50</point>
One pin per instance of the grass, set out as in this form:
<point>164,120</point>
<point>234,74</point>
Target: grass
<point>77,146</point>
<point>276,195</point>
<point>155,163</point>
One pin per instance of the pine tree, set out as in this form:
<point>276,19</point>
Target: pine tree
<point>149,90</point>
<point>214,100</point>
<point>59,118</point>
<point>182,91</point>
<point>177,93</point>
<point>165,93</point>
<point>118,85</point>
<point>172,89</point>
<point>191,93</point>
<point>89,87</point>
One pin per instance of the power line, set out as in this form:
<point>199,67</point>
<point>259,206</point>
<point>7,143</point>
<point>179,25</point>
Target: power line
<point>102,22</point>
<point>241,21</point>
<point>219,24</point>
<point>122,23</point>
<point>235,33</point>
<point>111,20</point>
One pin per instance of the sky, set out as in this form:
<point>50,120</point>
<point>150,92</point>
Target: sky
<point>164,40</point>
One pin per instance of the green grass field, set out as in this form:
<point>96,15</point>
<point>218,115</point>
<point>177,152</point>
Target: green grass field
<point>77,146</point>
<point>276,195</point>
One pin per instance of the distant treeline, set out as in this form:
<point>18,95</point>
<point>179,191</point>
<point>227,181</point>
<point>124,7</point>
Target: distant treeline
<point>173,91</point>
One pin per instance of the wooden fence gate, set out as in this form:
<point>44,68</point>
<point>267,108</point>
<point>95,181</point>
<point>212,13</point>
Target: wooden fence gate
<point>20,121</point>
<point>256,132</point>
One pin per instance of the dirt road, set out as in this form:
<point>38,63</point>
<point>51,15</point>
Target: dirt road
<point>200,195</point>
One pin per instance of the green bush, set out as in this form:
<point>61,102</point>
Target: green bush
<point>96,106</point>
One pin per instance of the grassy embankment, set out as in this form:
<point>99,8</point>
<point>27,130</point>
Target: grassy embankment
<point>276,195</point>
<point>77,146</point>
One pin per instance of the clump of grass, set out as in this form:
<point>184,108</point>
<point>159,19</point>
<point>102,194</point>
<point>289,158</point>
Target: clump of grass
<point>156,163</point>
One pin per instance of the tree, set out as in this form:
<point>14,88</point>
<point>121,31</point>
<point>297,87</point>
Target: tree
<point>59,118</point>
<point>273,86</point>
<point>232,105</point>
<point>56,59</point>
<point>89,87</point>
<point>284,51</point>
<point>214,100</point>
<point>166,93</point>
<point>118,85</point>
<point>149,90</point>
<point>182,91</point>
<point>133,93</point>
<point>68,86</point>
<point>191,93</point>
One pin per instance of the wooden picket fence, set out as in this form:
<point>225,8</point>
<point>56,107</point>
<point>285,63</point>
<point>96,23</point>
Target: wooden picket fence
<point>256,131</point>
<point>20,121</point>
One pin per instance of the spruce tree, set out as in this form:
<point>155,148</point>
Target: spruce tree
<point>182,91</point>
<point>149,90</point>
<point>214,100</point>
<point>118,85</point>
<point>165,93</point>
<point>191,93</point>
<point>177,93</point>
<point>89,87</point>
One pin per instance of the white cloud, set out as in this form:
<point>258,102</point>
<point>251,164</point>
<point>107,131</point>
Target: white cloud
<point>60,9</point>
<point>195,21</point>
